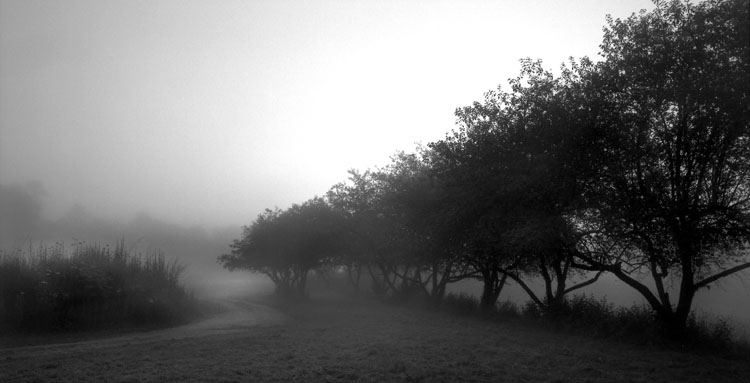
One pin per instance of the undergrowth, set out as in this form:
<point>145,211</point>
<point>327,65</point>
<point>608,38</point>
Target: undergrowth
<point>49,288</point>
<point>598,318</point>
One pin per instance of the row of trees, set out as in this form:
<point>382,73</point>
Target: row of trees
<point>637,165</point>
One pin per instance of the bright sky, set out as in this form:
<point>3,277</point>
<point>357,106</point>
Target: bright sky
<point>207,112</point>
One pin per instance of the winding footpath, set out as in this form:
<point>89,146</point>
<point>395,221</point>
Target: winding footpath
<point>236,315</point>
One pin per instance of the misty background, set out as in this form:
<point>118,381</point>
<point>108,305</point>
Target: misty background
<point>171,124</point>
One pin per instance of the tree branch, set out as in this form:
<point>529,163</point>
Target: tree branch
<point>722,274</point>
<point>584,284</point>
<point>526,288</point>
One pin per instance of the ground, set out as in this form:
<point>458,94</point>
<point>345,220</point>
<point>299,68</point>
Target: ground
<point>356,341</point>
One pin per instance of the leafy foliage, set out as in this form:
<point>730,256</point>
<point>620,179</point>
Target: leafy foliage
<point>672,188</point>
<point>637,165</point>
<point>286,245</point>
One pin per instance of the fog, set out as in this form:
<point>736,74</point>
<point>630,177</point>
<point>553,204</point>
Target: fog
<point>171,124</point>
<point>159,122</point>
<point>24,225</point>
<point>205,114</point>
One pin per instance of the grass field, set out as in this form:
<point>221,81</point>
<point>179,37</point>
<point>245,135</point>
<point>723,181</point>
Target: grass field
<point>346,341</point>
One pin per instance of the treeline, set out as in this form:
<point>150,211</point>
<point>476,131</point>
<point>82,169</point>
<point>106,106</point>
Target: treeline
<point>637,165</point>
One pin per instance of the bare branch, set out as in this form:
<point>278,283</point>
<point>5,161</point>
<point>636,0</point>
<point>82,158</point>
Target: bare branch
<point>720,275</point>
<point>583,284</point>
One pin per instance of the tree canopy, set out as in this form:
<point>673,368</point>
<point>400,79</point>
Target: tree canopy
<point>673,187</point>
<point>287,244</point>
<point>636,165</point>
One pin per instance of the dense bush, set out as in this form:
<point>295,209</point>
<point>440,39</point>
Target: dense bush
<point>91,286</point>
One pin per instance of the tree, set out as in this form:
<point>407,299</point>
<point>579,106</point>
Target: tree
<point>545,117</point>
<point>671,100</point>
<point>20,212</point>
<point>286,245</point>
<point>371,237</point>
<point>396,219</point>
<point>470,165</point>
<point>417,195</point>
<point>514,167</point>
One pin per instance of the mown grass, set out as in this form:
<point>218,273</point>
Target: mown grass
<point>49,288</point>
<point>580,314</point>
<point>336,340</point>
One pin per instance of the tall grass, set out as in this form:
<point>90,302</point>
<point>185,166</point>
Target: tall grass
<point>49,288</point>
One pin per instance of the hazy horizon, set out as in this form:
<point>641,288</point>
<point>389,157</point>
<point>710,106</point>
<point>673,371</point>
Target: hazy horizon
<point>205,113</point>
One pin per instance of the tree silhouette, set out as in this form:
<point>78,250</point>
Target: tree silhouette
<point>673,188</point>
<point>638,165</point>
<point>286,245</point>
<point>514,166</point>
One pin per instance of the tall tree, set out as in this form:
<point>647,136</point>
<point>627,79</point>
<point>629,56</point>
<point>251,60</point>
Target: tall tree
<point>515,164</point>
<point>672,102</point>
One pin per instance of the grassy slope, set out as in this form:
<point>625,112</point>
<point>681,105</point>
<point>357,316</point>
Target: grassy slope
<point>344,342</point>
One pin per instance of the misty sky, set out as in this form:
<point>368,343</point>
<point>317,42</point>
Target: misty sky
<point>207,112</point>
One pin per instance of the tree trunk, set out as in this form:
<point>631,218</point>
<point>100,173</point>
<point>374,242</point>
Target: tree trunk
<point>687,285</point>
<point>302,283</point>
<point>355,274</point>
<point>493,285</point>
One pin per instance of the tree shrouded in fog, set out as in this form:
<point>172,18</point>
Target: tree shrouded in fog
<point>20,212</point>
<point>515,168</point>
<point>637,165</point>
<point>286,245</point>
<point>374,235</point>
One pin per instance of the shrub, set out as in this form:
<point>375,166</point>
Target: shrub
<point>531,311</point>
<point>462,304</point>
<point>90,287</point>
<point>507,309</point>
<point>708,332</point>
<point>638,324</point>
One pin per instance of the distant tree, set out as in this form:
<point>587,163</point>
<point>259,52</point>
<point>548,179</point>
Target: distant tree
<point>286,245</point>
<point>20,212</point>
<point>372,238</point>
<point>396,220</point>
<point>671,99</point>
<point>418,197</point>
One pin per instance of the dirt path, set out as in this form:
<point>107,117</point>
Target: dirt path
<point>239,315</point>
<point>236,315</point>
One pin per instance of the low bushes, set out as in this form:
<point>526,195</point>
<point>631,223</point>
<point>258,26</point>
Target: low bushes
<point>584,314</point>
<point>92,286</point>
<point>462,304</point>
